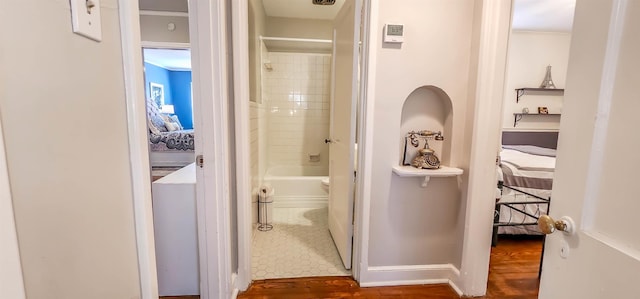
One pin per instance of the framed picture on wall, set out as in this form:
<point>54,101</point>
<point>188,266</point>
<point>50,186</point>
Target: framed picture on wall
<point>156,90</point>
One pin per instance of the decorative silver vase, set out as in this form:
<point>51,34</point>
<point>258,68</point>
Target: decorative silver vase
<point>548,82</point>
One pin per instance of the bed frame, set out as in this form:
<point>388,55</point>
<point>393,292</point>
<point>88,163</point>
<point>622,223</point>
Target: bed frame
<point>542,139</point>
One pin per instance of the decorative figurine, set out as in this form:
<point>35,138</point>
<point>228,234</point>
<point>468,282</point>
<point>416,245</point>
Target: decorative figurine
<point>548,82</point>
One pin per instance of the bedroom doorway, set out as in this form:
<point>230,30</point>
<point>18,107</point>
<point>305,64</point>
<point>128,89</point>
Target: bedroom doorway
<point>169,106</point>
<point>537,59</point>
<point>169,103</point>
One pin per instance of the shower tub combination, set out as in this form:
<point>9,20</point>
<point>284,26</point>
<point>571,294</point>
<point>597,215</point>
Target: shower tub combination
<point>298,186</point>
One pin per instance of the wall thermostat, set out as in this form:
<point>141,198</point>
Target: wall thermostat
<point>393,33</point>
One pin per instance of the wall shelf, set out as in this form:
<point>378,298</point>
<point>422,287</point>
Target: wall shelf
<point>443,171</point>
<point>539,91</point>
<point>518,116</point>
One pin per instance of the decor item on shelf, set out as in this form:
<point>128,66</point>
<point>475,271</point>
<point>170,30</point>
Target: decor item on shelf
<point>548,82</point>
<point>525,110</point>
<point>425,158</point>
<point>543,110</point>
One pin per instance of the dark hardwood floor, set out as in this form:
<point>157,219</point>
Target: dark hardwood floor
<point>513,274</point>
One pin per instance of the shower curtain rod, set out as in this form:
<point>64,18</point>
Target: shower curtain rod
<point>292,39</point>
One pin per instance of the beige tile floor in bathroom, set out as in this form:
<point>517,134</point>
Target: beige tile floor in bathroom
<point>299,245</point>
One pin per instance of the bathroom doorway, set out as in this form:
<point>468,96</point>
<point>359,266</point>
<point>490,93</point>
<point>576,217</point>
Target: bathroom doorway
<point>295,224</point>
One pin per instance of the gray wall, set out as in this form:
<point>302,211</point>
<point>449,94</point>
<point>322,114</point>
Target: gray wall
<point>62,105</point>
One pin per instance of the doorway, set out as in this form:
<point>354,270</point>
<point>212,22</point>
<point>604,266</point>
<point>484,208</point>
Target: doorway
<point>289,94</point>
<point>169,103</point>
<point>537,59</point>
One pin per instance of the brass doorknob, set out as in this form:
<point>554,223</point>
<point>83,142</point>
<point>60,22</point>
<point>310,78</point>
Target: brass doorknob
<point>547,225</point>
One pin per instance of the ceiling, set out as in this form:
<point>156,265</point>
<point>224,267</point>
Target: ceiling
<point>302,9</point>
<point>171,59</point>
<point>543,15</point>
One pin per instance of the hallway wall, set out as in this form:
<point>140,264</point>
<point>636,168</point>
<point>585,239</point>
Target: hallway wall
<point>62,105</point>
<point>411,225</point>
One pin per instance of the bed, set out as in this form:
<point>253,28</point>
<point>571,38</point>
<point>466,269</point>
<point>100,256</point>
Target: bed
<point>525,179</point>
<point>169,143</point>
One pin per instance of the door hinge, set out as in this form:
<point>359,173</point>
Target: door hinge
<point>200,161</point>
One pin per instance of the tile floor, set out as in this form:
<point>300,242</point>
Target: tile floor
<point>299,245</point>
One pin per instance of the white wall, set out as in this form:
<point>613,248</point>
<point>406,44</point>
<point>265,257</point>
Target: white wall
<point>410,225</point>
<point>298,116</point>
<point>528,56</point>
<point>154,28</point>
<point>63,110</point>
<point>299,28</point>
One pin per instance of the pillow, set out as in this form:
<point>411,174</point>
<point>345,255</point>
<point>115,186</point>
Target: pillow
<point>174,118</point>
<point>158,122</point>
<point>153,128</point>
<point>171,126</point>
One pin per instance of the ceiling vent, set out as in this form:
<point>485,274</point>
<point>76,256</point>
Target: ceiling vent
<point>323,2</point>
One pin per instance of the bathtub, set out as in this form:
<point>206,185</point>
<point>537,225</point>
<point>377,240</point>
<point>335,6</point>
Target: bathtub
<point>297,186</point>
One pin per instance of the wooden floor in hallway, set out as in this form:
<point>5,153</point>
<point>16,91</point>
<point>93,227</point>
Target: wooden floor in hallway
<point>513,273</point>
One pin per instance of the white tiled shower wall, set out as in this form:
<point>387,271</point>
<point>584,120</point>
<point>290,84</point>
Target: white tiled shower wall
<point>297,92</point>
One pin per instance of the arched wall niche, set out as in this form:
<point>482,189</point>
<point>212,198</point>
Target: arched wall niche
<point>428,108</point>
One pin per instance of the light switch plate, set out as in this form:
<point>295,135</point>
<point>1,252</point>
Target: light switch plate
<point>85,15</point>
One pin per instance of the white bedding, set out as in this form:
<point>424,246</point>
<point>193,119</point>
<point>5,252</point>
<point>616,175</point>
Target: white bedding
<point>528,162</point>
<point>529,173</point>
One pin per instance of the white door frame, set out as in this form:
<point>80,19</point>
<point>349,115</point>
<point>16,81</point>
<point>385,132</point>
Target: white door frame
<point>208,37</point>
<point>164,45</point>
<point>138,146</point>
<point>240,37</point>
<point>207,24</point>
<point>495,24</point>
<point>10,264</point>
<point>240,41</point>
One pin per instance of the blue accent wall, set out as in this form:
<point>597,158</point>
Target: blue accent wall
<point>158,75</point>
<point>177,90</point>
<point>181,95</point>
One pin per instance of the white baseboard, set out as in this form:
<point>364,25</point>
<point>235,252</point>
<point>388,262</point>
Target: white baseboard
<point>300,202</point>
<point>410,275</point>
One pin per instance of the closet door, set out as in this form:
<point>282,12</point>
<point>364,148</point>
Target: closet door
<point>346,36</point>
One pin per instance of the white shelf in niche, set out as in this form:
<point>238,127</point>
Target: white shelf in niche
<point>443,171</point>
